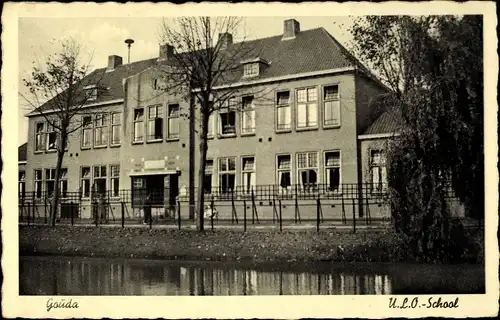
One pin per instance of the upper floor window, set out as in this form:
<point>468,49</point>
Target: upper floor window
<point>332,170</point>
<point>101,130</point>
<point>139,125</point>
<point>251,69</point>
<point>173,121</point>
<point>91,93</point>
<point>116,125</point>
<point>211,125</point>
<point>378,170</point>
<point>228,118</point>
<point>155,122</point>
<point>284,111</point>
<point>39,136</point>
<point>307,169</point>
<point>86,131</point>
<point>331,105</point>
<point>51,137</point>
<point>248,115</point>
<point>307,108</point>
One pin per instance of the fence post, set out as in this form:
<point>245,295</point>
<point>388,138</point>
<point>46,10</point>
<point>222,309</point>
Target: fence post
<point>123,214</point>
<point>72,214</point>
<point>179,214</point>
<point>244,215</point>
<point>44,210</point>
<point>280,217</point>
<point>150,215</point>
<point>353,215</point>
<point>29,209</point>
<point>318,205</point>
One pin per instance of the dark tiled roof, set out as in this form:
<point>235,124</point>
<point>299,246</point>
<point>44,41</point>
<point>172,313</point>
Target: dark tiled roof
<point>387,122</point>
<point>21,152</point>
<point>310,51</point>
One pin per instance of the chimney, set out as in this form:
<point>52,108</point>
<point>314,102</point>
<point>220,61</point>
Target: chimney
<point>225,40</point>
<point>114,62</point>
<point>166,52</point>
<point>291,29</point>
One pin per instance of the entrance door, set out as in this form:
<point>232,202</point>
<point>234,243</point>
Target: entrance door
<point>154,187</point>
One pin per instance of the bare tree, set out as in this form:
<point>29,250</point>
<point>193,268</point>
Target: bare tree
<point>204,69</point>
<point>57,91</point>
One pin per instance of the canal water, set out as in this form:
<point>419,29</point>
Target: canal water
<point>96,276</point>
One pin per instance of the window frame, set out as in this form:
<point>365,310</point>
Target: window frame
<point>382,164</point>
<point>288,105</point>
<point>151,122</point>
<point>228,108</point>
<point>100,177</point>
<point>102,118</point>
<point>176,117</point>
<point>82,179</point>
<point>251,66</point>
<point>47,140</point>
<point>324,101</point>
<point>243,171</point>
<point>113,125</point>
<point>36,181</point>
<point>63,179</point>
<point>42,147</point>
<point>226,172</point>
<point>310,187</point>
<point>142,122</point>
<point>212,173</point>
<point>21,184</point>
<point>289,170</point>
<point>51,179</point>
<point>307,103</point>
<point>112,179</point>
<point>211,118</point>
<point>244,110</point>
<point>90,129</point>
<point>326,167</point>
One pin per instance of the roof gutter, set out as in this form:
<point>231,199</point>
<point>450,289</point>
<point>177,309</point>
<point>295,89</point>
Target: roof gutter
<point>378,135</point>
<point>97,104</point>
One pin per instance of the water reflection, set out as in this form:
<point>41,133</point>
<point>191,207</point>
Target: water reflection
<point>76,276</point>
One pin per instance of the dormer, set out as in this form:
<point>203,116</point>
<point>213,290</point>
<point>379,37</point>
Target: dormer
<point>93,91</point>
<point>253,67</point>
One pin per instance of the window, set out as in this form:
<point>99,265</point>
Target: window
<point>307,111</point>
<point>86,131</point>
<point>283,171</point>
<point>21,189</point>
<point>100,130</point>
<point>173,121</point>
<point>91,93</point>
<point>159,84</point>
<point>85,182</point>
<point>155,122</point>
<point>100,179</point>
<point>38,183</point>
<point>331,106</point>
<point>251,69</point>
<point>307,169</point>
<point>227,174</point>
<point>116,126</point>
<point>248,116</point>
<point>332,170</point>
<point>51,137</point>
<point>207,180</point>
<point>63,180</point>
<point>228,118</point>
<point>378,171</point>
<point>139,125</point>
<point>248,174</point>
<point>115,180</point>
<point>39,137</point>
<point>284,111</point>
<point>50,176</point>
<point>211,125</point>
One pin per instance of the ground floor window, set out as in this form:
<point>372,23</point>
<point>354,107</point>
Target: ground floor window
<point>248,174</point>
<point>332,170</point>
<point>22,184</point>
<point>227,174</point>
<point>38,183</point>
<point>307,170</point>
<point>283,171</point>
<point>85,182</point>
<point>63,180</point>
<point>115,180</point>
<point>378,171</point>
<point>100,175</point>
<point>207,180</point>
<point>50,176</point>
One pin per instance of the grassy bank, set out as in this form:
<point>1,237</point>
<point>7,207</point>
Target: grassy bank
<point>364,246</point>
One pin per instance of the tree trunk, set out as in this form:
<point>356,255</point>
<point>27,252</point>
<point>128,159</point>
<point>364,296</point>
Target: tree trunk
<point>192,133</point>
<point>201,169</point>
<point>55,199</point>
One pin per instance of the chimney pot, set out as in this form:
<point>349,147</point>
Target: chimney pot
<point>166,52</point>
<point>114,62</point>
<point>225,40</point>
<point>291,28</point>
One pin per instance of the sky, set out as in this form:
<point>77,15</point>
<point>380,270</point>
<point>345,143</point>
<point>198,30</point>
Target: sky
<point>101,37</point>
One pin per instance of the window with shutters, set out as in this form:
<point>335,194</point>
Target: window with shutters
<point>283,172</point>
<point>307,108</point>
<point>248,174</point>
<point>86,132</point>
<point>332,170</point>
<point>101,130</point>
<point>39,136</point>
<point>85,182</point>
<point>331,108</point>
<point>207,180</point>
<point>227,174</point>
<point>138,125</point>
<point>155,123</point>
<point>378,171</point>
<point>173,121</point>
<point>307,170</point>
<point>284,111</point>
